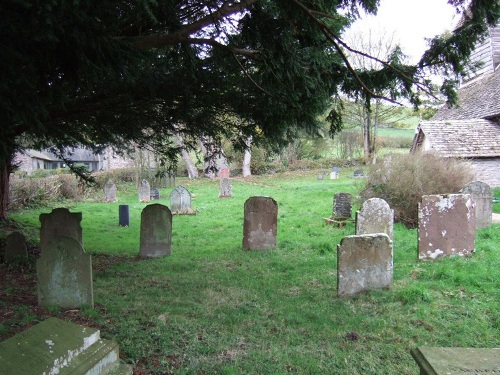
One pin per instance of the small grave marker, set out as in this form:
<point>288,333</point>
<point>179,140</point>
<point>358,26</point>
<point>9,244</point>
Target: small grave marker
<point>180,201</point>
<point>334,174</point>
<point>225,188</point>
<point>110,191</point>
<point>260,223</point>
<point>156,231</point>
<point>60,222</point>
<point>482,196</point>
<point>144,191</point>
<point>15,247</point>
<point>64,273</point>
<point>155,194</point>
<point>358,173</point>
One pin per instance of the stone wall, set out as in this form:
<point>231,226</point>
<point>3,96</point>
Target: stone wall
<point>487,170</point>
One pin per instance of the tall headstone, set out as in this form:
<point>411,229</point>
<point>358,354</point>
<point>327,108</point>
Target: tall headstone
<point>156,231</point>
<point>15,247</point>
<point>144,191</point>
<point>110,191</point>
<point>123,215</point>
<point>342,206</point>
<point>60,222</point>
<point>64,273</point>
<point>180,201</point>
<point>446,226</point>
<point>364,262</point>
<point>375,216</point>
<point>482,196</point>
<point>260,223</point>
<point>225,188</point>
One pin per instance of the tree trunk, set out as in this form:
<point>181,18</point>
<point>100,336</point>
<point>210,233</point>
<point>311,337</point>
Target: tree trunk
<point>190,166</point>
<point>6,169</point>
<point>247,157</point>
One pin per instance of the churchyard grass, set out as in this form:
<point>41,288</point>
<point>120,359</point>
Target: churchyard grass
<point>211,307</point>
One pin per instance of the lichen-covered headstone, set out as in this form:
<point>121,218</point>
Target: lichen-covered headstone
<point>15,247</point>
<point>260,223</point>
<point>342,207</point>
<point>156,231</point>
<point>364,262</point>
<point>225,188</point>
<point>446,226</point>
<point>482,196</point>
<point>375,216</point>
<point>60,222</point>
<point>180,201</point>
<point>144,191</point>
<point>110,191</point>
<point>64,273</point>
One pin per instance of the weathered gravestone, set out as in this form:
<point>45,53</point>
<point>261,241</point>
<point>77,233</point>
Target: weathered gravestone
<point>260,223</point>
<point>375,216</point>
<point>456,361</point>
<point>64,273</point>
<point>15,247</point>
<point>446,226</point>
<point>60,222</point>
<point>154,194</point>
<point>144,191</point>
<point>364,262</point>
<point>110,191</point>
<point>156,231</point>
<point>223,173</point>
<point>225,188</point>
<point>180,201</point>
<point>342,206</point>
<point>482,196</point>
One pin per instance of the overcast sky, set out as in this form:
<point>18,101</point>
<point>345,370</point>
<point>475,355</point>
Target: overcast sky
<point>412,21</point>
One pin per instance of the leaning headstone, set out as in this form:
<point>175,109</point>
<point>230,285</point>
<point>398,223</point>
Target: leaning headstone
<point>375,216</point>
<point>358,173</point>
<point>156,231</point>
<point>446,226</point>
<point>64,273</point>
<point>60,222</point>
<point>342,206</point>
<point>144,191</point>
<point>260,223</point>
<point>180,201</point>
<point>154,194</point>
<point>110,191</point>
<point>15,247</point>
<point>225,188</point>
<point>482,196</point>
<point>364,262</point>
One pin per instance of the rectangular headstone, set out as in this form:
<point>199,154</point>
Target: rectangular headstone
<point>364,262</point>
<point>482,196</point>
<point>156,231</point>
<point>260,223</point>
<point>342,208</point>
<point>446,226</point>
<point>180,201</point>
<point>110,191</point>
<point>15,247</point>
<point>225,188</point>
<point>144,191</point>
<point>375,216</point>
<point>60,222</point>
<point>456,361</point>
<point>64,273</point>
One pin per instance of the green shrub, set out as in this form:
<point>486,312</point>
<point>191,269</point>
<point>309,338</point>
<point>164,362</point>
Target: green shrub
<point>402,179</point>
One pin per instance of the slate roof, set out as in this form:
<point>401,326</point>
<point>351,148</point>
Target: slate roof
<point>480,99</point>
<point>470,138</point>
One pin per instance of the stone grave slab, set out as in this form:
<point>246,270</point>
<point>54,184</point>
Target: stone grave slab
<point>446,226</point>
<point>364,262</point>
<point>457,361</point>
<point>110,191</point>
<point>15,247</point>
<point>482,196</point>
<point>225,188</point>
<point>144,191</point>
<point>156,231</point>
<point>180,201</point>
<point>64,273</point>
<point>260,223</point>
<point>60,222</point>
<point>375,216</point>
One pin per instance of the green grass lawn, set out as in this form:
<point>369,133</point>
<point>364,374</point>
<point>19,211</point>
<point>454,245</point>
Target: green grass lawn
<point>211,307</point>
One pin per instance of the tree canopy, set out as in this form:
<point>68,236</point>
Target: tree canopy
<point>98,73</point>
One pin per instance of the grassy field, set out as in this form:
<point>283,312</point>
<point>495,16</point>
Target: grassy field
<point>211,307</point>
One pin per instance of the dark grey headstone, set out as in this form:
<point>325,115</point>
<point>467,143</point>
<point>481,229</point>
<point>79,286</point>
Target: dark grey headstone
<point>144,191</point>
<point>64,273</point>
<point>482,196</point>
<point>342,206</point>
<point>15,247</point>
<point>180,201</point>
<point>364,262</point>
<point>156,231</point>
<point>60,222</point>
<point>110,191</point>
<point>155,194</point>
<point>358,173</point>
<point>446,226</point>
<point>260,223</point>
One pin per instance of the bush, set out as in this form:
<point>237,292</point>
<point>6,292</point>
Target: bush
<point>401,180</point>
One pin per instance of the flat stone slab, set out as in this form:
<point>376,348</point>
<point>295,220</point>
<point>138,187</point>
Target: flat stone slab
<point>457,361</point>
<point>45,348</point>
